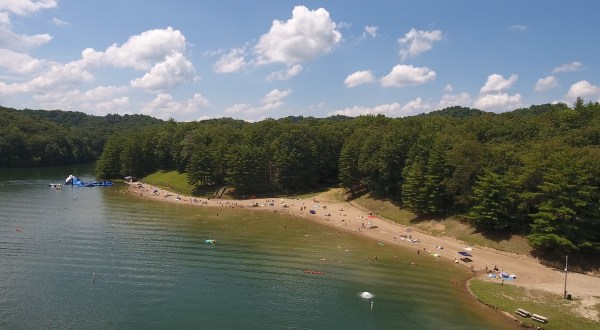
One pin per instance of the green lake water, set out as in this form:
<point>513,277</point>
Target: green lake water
<point>99,258</point>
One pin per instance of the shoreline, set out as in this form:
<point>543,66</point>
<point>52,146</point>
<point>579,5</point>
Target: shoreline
<point>344,216</point>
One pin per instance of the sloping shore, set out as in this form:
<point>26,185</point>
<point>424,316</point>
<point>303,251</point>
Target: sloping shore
<point>344,216</point>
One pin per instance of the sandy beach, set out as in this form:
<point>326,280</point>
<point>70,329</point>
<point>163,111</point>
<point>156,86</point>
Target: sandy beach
<point>344,216</point>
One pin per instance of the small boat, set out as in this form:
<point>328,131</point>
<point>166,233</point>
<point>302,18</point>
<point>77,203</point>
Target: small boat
<point>210,241</point>
<point>55,185</point>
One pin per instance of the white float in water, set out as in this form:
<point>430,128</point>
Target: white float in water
<point>367,295</point>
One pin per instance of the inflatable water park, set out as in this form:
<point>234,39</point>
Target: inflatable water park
<point>72,180</point>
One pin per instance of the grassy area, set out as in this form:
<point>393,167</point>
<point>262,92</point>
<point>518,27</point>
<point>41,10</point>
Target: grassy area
<point>449,227</point>
<point>171,180</point>
<point>561,313</point>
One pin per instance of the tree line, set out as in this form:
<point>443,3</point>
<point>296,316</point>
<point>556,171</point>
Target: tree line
<point>52,138</point>
<point>532,171</point>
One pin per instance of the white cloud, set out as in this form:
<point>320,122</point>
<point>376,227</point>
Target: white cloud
<point>568,67</point>
<point>165,107</point>
<point>99,101</point>
<point>496,83</point>
<point>448,88</point>
<point>59,22</point>
<point>584,89</point>
<point>289,72</point>
<point>274,99</point>
<point>307,35</point>
<point>271,101</point>
<point>22,63</point>
<point>160,52</point>
<point>389,110</point>
<point>546,83</point>
<point>20,42</point>
<point>275,96</point>
<point>500,102</point>
<point>414,107</point>
<point>385,109</point>
<point>231,62</point>
<point>58,77</point>
<point>370,31</point>
<point>239,108</point>
<point>140,52</point>
<point>173,71</point>
<point>450,100</point>
<point>415,42</point>
<point>26,7</point>
<point>402,75</point>
<point>519,27</point>
<point>359,78</point>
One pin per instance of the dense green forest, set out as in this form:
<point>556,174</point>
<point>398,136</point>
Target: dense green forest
<point>531,171</point>
<point>50,138</point>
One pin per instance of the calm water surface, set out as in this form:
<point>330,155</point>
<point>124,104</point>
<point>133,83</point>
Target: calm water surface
<point>98,258</point>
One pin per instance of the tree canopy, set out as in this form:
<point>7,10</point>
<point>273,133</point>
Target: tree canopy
<point>531,171</point>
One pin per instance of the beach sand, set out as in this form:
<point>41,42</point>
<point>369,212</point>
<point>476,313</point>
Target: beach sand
<point>348,217</point>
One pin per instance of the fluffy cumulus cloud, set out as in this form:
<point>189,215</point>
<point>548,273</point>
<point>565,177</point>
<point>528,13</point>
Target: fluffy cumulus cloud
<point>416,42</point>
<point>26,7</point>
<point>499,102</point>
<point>58,77</point>
<point>403,75</point>
<point>272,100</point>
<point>493,96</point>
<point>140,52</point>
<point>359,78</point>
<point>17,62</point>
<point>546,83</point>
<point>305,36</point>
<point>231,62</point>
<point>160,54</point>
<point>390,110</point>
<point>100,101</point>
<point>165,107</point>
<point>450,100</point>
<point>568,67</point>
<point>497,83</point>
<point>174,70</point>
<point>289,72</point>
<point>15,41</point>
<point>585,90</point>
<point>355,111</point>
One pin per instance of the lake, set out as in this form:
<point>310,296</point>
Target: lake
<point>100,258</point>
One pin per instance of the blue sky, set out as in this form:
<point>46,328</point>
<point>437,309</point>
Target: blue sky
<point>251,60</point>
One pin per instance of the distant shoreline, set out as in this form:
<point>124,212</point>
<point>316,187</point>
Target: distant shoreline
<point>344,216</point>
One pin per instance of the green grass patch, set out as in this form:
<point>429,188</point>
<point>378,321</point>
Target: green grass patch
<point>561,313</point>
<point>447,227</point>
<point>171,180</point>
<point>384,209</point>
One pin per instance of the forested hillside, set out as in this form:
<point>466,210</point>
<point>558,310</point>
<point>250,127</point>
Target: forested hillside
<point>50,138</point>
<point>532,171</point>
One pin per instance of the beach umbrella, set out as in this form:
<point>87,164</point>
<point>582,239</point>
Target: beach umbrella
<point>465,254</point>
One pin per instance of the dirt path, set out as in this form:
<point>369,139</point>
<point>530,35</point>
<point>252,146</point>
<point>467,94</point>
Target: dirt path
<point>344,216</point>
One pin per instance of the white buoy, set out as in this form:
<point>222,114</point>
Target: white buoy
<point>366,295</point>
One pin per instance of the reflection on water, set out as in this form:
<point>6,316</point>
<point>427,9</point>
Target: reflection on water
<point>99,258</point>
